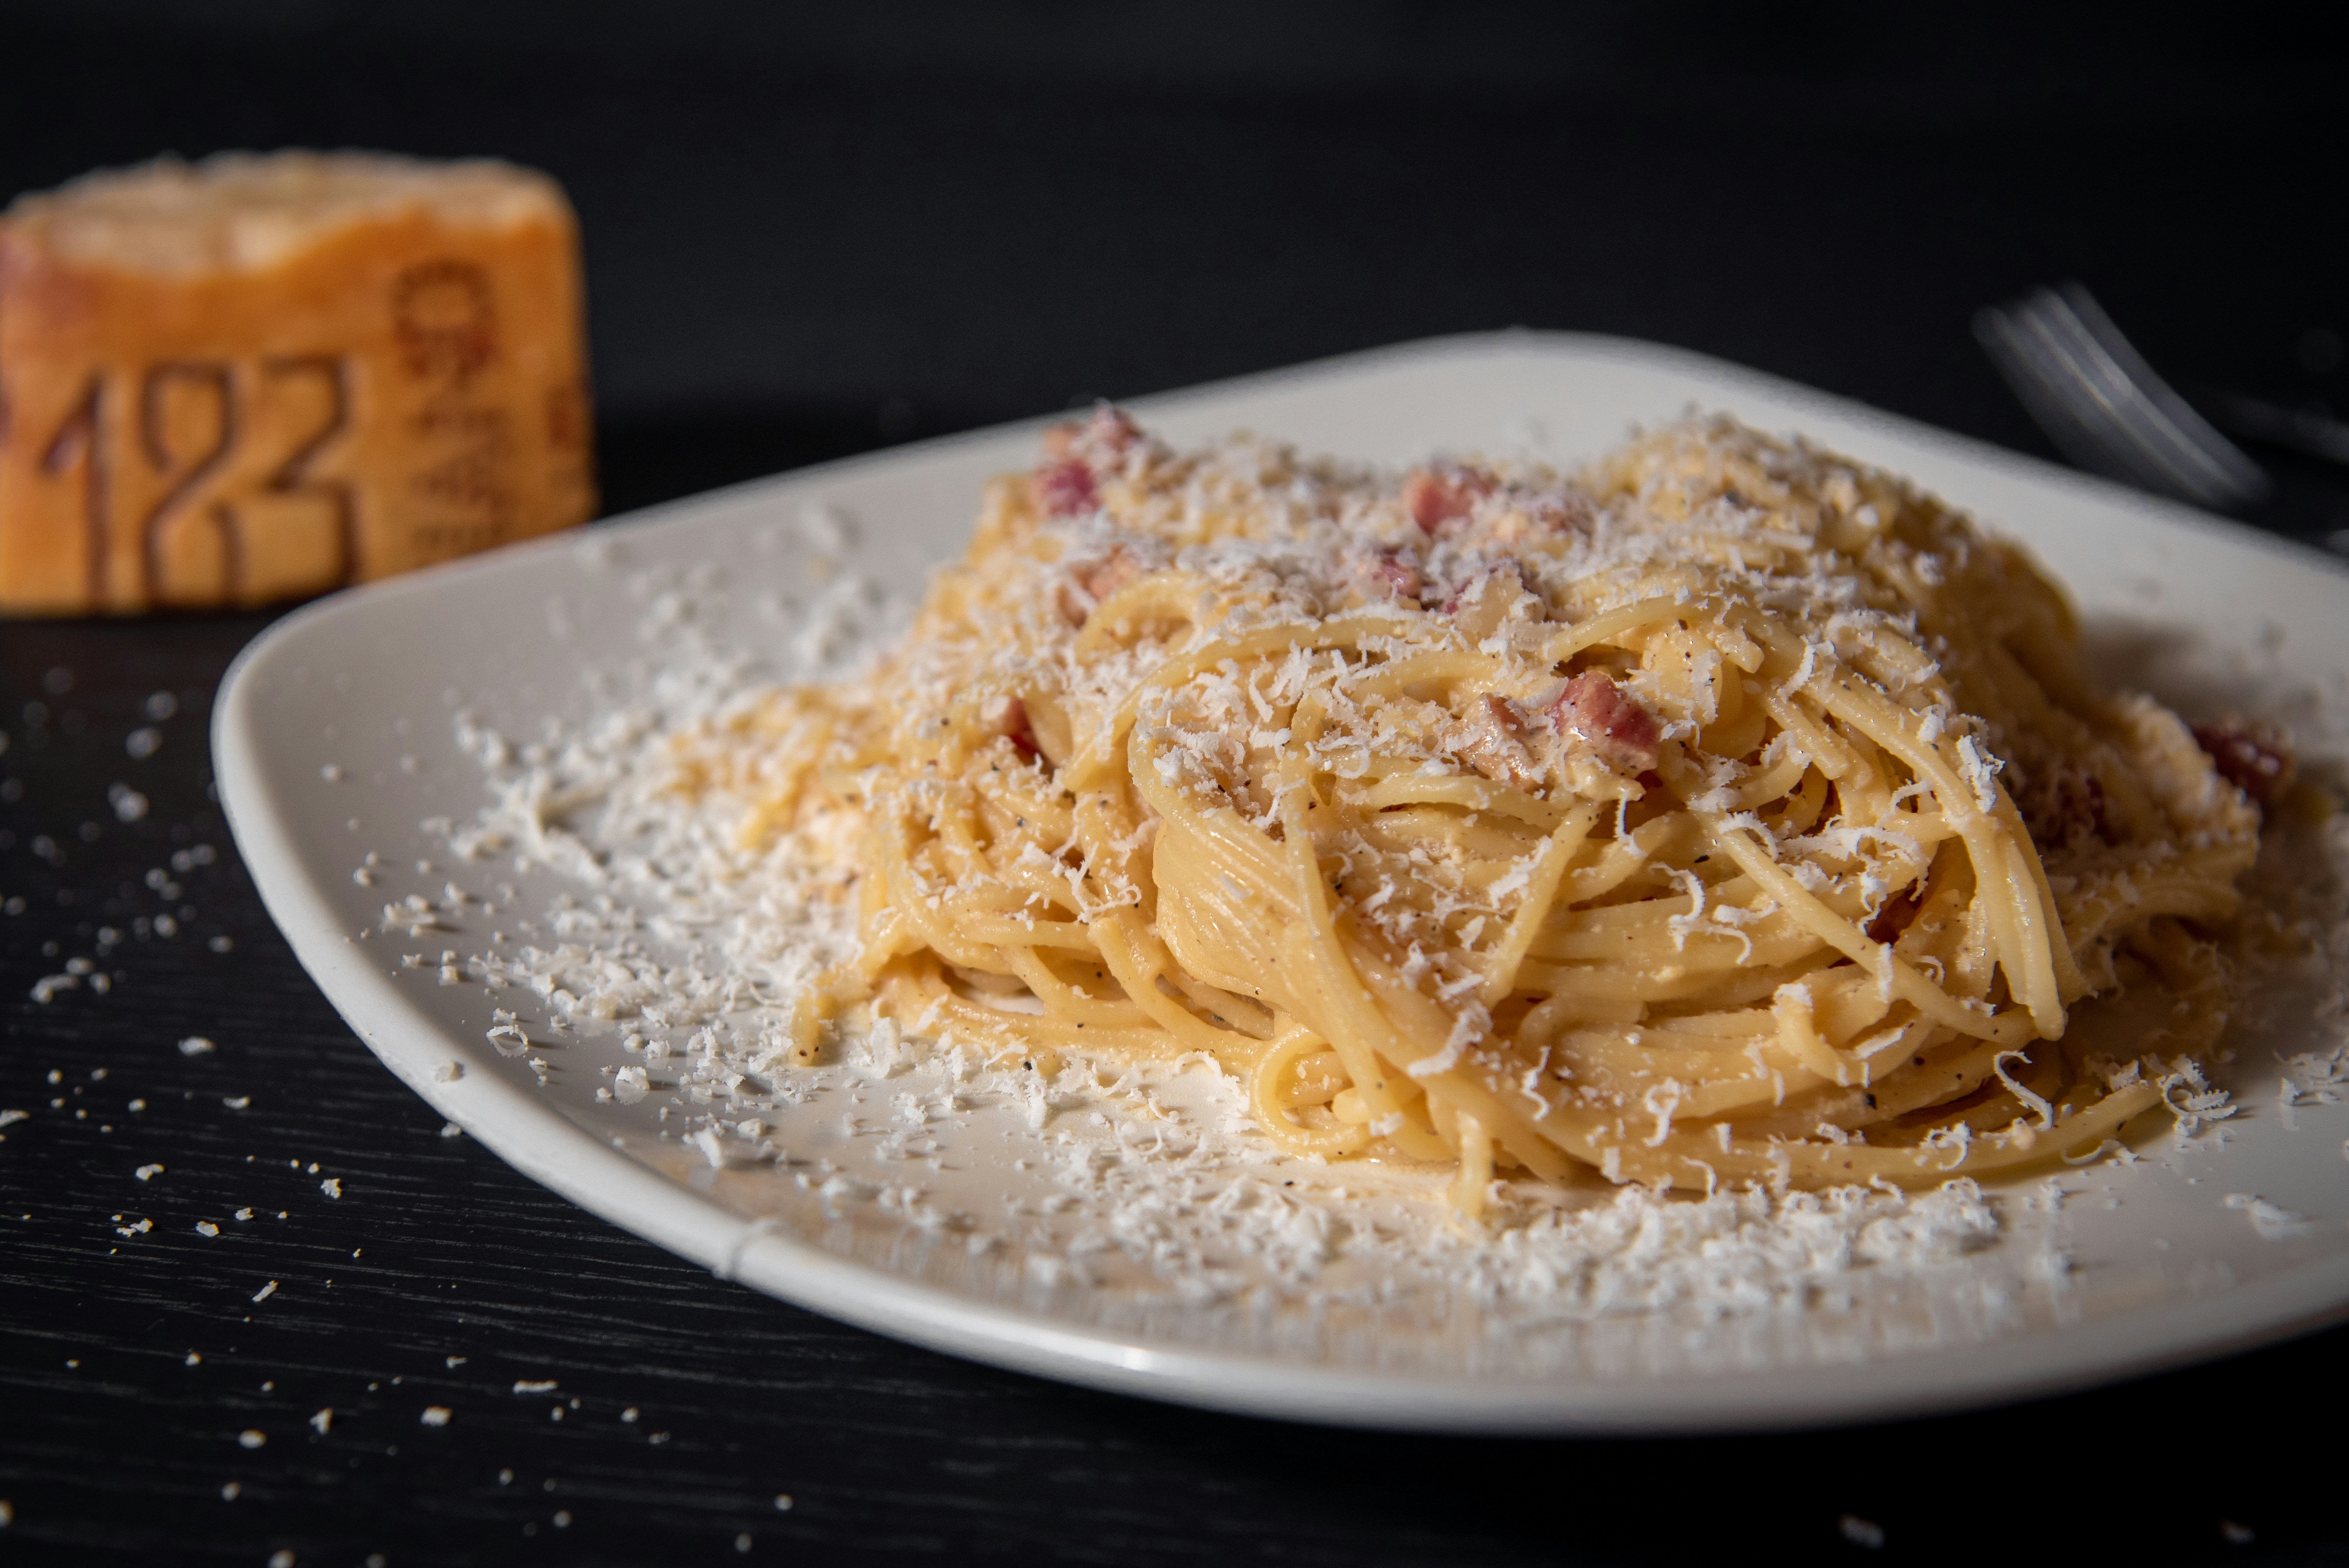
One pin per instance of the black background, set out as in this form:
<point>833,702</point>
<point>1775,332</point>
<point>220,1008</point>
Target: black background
<point>811,233</point>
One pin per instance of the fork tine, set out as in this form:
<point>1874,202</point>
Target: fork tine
<point>2102,391</point>
<point>2096,397</point>
<point>2176,435</point>
<point>2021,350</point>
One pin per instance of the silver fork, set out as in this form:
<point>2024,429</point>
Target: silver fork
<point>2102,404</point>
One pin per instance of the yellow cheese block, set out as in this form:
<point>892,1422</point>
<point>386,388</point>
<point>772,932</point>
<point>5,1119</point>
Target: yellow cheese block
<point>256,377</point>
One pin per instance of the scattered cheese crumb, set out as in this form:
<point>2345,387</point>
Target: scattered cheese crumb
<point>436,1415</point>
<point>2273,1223</point>
<point>1861,1533</point>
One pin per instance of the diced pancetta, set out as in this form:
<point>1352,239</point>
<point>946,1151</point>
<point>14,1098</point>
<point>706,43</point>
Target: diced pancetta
<point>1077,454</point>
<point>1007,716</point>
<point>2257,763</point>
<point>1437,497</point>
<point>1091,580</point>
<point>1594,707</point>
<point>1389,572</point>
<point>1495,745</point>
<point>1065,488</point>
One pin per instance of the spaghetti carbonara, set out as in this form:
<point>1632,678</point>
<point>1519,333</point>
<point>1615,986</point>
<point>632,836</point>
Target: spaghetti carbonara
<point>1729,812</point>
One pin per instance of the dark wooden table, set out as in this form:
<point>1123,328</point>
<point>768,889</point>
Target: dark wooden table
<point>791,261</point>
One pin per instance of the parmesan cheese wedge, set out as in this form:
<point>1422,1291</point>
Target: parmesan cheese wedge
<point>257,378</point>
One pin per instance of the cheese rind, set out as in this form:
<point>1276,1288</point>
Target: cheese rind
<point>253,378</point>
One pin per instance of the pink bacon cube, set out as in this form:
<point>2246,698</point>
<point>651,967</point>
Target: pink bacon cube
<point>1593,707</point>
<point>1438,497</point>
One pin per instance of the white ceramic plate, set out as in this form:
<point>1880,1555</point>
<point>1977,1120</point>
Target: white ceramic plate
<point>334,739</point>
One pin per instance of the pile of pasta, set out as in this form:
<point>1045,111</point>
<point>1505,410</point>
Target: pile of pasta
<point>1728,813</point>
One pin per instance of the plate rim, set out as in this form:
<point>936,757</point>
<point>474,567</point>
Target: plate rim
<point>540,1142</point>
